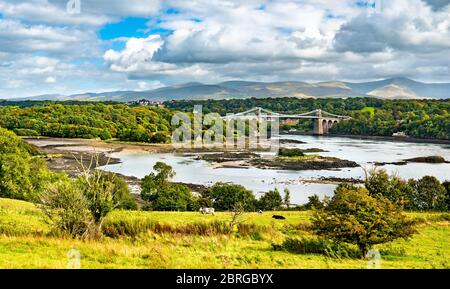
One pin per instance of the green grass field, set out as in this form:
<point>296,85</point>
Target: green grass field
<point>26,242</point>
<point>369,109</point>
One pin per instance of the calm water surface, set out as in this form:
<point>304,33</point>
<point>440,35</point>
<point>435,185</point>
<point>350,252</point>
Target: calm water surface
<point>364,152</point>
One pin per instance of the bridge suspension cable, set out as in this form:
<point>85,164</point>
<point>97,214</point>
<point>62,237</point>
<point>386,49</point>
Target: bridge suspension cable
<point>317,113</point>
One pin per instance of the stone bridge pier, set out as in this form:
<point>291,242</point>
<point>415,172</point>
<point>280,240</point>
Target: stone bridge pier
<point>323,124</point>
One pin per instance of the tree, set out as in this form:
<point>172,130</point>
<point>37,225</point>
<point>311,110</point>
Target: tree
<point>171,198</point>
<point>380,183</point>
<point>287,198</point>
<point>237,213</point>
<point>93,120</point>
<point>270,201</point>
<point>226,196</point>
<point>314,202</point>
<point>163,195</point>
<point>353,216</point>
<point>427,194</point>
<point>156,180</point>
<point>22,175</point>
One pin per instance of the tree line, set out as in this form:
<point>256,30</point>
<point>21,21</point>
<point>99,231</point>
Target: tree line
<point>429,119</point>
<point>370,116</point>
<point>89,120</point>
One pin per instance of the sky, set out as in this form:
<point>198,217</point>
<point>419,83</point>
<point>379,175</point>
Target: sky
<point>74,46</point>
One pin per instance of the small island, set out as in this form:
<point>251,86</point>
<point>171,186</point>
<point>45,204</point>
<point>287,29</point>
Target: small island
<point>285,159</point>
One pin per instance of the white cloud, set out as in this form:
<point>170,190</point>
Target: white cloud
<point>402,25</point>
<point>215,40</point>
<point>50,79</point>
<point>17,37</point>
<point>93,12</point>
<point>148,85</point>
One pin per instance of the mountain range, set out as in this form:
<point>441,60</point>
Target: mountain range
<point>393,88</point>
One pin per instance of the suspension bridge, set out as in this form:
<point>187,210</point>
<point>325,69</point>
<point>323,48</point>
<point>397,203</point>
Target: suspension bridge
<point>323,120</point>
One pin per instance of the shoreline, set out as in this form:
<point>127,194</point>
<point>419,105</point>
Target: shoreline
<point>63,155</point>
<point>372,137</point>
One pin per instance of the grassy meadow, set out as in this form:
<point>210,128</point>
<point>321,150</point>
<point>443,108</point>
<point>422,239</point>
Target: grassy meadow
<point>137,239</point>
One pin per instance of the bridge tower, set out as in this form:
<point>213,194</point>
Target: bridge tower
<point>318,123</point>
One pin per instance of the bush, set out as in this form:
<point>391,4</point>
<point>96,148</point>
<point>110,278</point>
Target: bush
<point>285,152</point>
<point>79,207</point>
<point>446,184</point>
<point>160,137</point>
<point>67,208</point>
<point>122,196</point>
<point>134,227</point>
<point>26,132</point>
<point>315,245</point>
<point>353,216</point>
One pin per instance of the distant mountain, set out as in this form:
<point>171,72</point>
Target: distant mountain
<point>391,91</point>
<point>393,88</point>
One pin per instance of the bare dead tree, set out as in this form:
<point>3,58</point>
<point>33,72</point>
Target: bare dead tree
<point>237,214</point>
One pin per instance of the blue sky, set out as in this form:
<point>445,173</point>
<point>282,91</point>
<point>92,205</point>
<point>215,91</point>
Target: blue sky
<point>146,44</point>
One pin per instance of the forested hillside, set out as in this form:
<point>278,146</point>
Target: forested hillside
<point>370,116</point>
<point>93,120</point>
<point>417,118</point>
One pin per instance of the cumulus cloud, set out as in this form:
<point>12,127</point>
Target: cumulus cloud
<point>402,25</point>
<point>92,12</point>
<point>17,37</point>
<point>216,40</point>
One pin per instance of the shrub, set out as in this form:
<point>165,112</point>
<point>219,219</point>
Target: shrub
<point>122,196</point>
<point>446,184</point>
<point>135,227</point>
<point>66,207</point>
<point>315,245</point>
<point>353,216</point>
<point>26,132</point>
<point>285,152</point>
<point>100,193</point>
<point>79,207</point>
